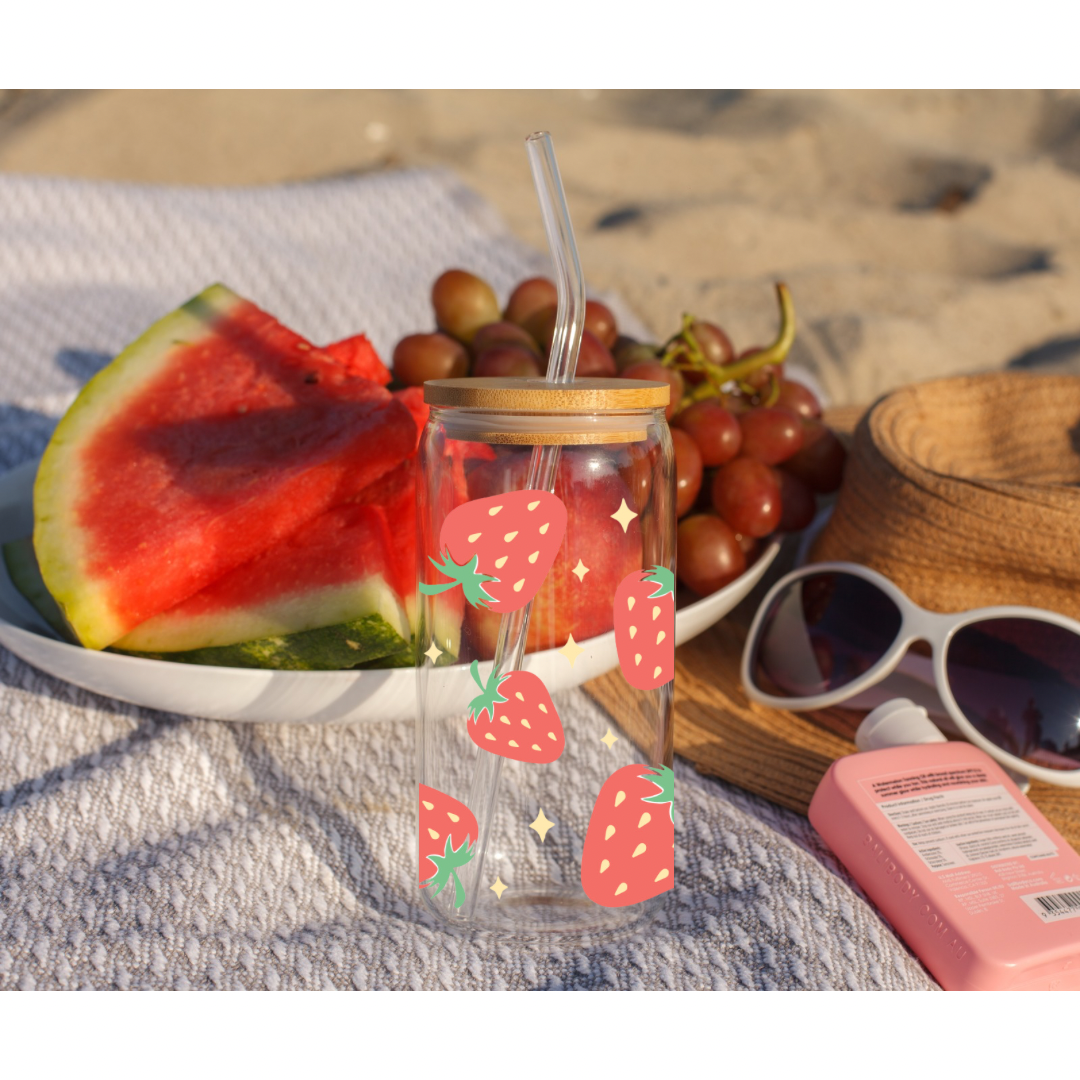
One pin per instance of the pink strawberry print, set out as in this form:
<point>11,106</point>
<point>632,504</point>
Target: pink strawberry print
<point>500,549</point>
<point>629,852</point>
<point>514,717</point>
<point>644,612</point>
<point>448,832</point>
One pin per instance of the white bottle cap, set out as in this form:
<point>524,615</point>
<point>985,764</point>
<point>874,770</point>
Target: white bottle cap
<point>899,722</point>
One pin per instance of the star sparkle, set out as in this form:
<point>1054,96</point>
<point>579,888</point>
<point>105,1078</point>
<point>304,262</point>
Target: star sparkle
<point>609,740</point>
<point>580,570</point>
<point>571,650</point>
<point>541,826</point>
<point>499,887</point>
<point>624,515</point>
<point>434,652</point>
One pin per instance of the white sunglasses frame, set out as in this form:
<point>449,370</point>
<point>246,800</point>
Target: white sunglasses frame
<point>917,624</point>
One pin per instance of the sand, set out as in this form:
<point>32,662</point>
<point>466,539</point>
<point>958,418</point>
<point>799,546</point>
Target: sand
<point>922,233</point>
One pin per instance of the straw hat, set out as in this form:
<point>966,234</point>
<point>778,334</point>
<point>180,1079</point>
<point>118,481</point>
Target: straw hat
<point>966,492</point>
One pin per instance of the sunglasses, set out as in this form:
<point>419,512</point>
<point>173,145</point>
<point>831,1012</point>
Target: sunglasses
<point>1009,677</point>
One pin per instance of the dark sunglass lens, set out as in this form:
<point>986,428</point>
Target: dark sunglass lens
<point>1018,681</point>
<point>821,633</point>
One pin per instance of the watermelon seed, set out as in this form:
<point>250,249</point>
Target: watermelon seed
<point>311,377</point>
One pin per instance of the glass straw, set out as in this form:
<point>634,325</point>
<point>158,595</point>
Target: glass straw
<point>543,465</point>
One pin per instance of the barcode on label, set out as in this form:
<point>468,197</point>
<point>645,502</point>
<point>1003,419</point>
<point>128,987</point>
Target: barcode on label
<point>1056,905</point>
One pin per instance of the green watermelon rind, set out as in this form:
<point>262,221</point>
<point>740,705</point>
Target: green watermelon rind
<point>82,599</point>
<point>276,617</point>
<point>23,570</point>
<point>328,648</point>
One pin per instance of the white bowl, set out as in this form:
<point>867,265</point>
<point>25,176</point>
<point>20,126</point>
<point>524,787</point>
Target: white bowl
<point>279,697</point>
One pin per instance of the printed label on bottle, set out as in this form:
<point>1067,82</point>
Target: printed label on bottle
<point>965,826</point>
<point>1055,906</point>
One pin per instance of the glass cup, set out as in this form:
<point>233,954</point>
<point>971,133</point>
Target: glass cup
<point>546,556</point>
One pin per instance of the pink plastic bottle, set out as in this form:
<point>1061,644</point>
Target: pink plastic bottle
<point>976,881</point>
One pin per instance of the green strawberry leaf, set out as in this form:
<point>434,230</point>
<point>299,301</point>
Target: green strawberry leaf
<point>664,580</point>
<point>464,574</point>
<point>664,779</point>
<point>486,701</point>
<point>448,863</point>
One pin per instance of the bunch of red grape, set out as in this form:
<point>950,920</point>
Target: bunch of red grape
<point>751,451</point>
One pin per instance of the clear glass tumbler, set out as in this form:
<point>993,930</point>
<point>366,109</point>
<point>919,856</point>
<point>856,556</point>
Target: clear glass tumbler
<point>546,525</point>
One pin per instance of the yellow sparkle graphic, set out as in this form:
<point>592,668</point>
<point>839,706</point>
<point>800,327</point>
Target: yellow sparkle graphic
<point>624,515</point>
<point>571,650</point>
<point>609,740</point>
<point>499,887</point>
<point>434,652</point>
<point>541,826</point>
<point>580,570</point>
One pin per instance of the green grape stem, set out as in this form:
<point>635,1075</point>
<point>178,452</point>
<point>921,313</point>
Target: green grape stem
<point>684,353</point>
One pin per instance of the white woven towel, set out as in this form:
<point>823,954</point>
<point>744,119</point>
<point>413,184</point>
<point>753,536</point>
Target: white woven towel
<point>142,850</point>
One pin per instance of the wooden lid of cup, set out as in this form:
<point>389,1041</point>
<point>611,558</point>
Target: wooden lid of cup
<point>538,395</point>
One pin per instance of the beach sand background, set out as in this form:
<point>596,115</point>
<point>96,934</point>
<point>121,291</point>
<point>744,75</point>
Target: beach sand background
<point>922,233</point>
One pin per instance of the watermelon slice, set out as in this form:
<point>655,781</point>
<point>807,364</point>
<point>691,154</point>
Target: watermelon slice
<point>212,438</point>
<point>369,640</point>
<point>359,357</point>
<point>336,569</point>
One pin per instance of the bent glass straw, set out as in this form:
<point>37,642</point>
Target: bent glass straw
<point>543,465</point>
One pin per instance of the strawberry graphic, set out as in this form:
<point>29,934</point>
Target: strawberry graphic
<point>522,725</point>
<point>645,627</point>
<point>629,852</point>
<point>500,549</point>
<point>448,831</point>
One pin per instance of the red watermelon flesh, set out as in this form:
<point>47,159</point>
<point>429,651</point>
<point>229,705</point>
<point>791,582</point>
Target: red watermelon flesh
<point>331,570</point>
<point>412,397</point>
<point>212,438</point>
<point>359,357</point>
<point>393,495</point>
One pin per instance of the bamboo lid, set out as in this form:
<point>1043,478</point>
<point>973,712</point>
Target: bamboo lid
<point>538,395</point>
